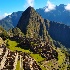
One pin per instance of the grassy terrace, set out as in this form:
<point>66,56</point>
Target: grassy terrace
<point>37,57</point>
<point>12,47</point>
<point>61,56</point>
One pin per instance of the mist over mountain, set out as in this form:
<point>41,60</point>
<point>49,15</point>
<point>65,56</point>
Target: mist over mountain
<point>59,14</point>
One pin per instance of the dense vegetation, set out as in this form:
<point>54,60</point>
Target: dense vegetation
<point>16,32</point>
<point>3,33</point>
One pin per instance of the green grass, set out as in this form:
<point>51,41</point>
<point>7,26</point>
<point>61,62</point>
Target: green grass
<point>42,67</point>
<point>61,56</point>
<point>61,59</point>
<point>18,65</point>
<point>37,57</point>
<point>12,47</point>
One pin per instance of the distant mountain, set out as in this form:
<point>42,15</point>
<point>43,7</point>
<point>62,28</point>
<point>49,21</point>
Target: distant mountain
<point>11,20</point>
<point>59,14</point>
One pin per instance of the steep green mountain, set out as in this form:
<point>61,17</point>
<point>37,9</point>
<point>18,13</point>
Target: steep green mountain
<point>32,24</point>
<point>58,15</point>
<point>61,32</point>
<point>11,20</point>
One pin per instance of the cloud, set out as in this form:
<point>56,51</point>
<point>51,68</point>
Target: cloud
<point>4,15</point>
<point>67,7</point>
<point>29,3</point>
<point>49,6</point>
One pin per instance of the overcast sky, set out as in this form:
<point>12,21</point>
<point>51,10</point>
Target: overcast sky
<point>9,6</point>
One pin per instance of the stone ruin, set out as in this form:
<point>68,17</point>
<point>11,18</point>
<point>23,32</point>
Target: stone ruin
<point>43,48</point>
<point>9,59</point>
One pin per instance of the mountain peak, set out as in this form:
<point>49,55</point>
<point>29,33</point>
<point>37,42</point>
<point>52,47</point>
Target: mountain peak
<point>29,10</point>
<point>30,7</point>
<point>31,23</point>
<point>61,5</point>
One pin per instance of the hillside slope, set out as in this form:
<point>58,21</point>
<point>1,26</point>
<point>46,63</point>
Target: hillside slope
<point>60,32</point>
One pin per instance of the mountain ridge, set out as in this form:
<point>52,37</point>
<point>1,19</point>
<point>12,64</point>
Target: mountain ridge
<point>60,14</point>
<point>10,21</point>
